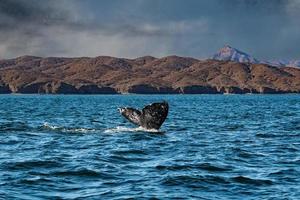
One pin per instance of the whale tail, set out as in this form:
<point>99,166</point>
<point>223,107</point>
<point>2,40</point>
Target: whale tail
<point>150,117</point>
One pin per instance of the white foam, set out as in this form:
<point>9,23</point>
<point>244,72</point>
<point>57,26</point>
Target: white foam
<point>47,125</point>
<point>119,129</point>
<point>67,130</point>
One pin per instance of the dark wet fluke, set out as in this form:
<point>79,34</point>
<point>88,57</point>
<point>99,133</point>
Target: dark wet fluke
<point>152,116</point>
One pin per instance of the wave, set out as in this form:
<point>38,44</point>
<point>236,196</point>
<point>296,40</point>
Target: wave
<point>34,181</point>
<point>47,126</point>
<point>202,166</point>
<point>251,181</point>
<point>13,126</point>
<point>285,172</point>
<point>120,129</point>
<point>83,173</point>
<point>29,164</point>
<point>193,180</point>
<point>129,152</point>
<point>200,180</point>
<point>22,126</point>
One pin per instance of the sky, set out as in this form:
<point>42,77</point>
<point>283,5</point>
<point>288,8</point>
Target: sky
<point>266,29</point>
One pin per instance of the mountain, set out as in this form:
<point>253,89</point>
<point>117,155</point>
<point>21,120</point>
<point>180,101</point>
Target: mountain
<point>144,75</point>
<point>228,53</point>
<point>283,63</point>
<point>293,63</point>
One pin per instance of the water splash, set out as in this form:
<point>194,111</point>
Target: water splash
<point>47,126</point>
<point>120,129</point>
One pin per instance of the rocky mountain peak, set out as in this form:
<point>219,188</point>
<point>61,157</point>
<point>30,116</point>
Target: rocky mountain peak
<point>228,53</point>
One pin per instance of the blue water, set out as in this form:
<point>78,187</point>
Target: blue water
<point>212,147</point>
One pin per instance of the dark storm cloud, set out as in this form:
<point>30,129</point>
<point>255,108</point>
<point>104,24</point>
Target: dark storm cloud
<point>23,22</point>
<point>23,12</point>
<point>264,28</point>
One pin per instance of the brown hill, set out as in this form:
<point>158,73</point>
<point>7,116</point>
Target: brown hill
<point>146,75</point>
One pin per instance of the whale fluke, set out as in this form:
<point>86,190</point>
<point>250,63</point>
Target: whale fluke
<point>150,117</point>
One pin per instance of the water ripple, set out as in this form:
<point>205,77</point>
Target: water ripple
<point>210,147</point>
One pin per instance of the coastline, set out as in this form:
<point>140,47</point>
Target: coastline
<point>144,75</point>
<point>153,94</point>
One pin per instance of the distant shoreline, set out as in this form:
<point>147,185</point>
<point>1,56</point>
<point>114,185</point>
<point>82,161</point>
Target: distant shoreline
<point>132,94</point>
<point>144,75</point>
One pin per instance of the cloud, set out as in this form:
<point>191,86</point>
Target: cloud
<point>23,22</point>
<point>16,13</point>
<point>265,28</point>
<point>292,8</point>
<point>46,29</point>
<point>122,41</point>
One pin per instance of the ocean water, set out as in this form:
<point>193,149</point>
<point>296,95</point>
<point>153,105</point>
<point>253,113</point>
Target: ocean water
<point>210,147</point>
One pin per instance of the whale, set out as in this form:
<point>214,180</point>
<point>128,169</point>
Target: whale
<point>150,117</point>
